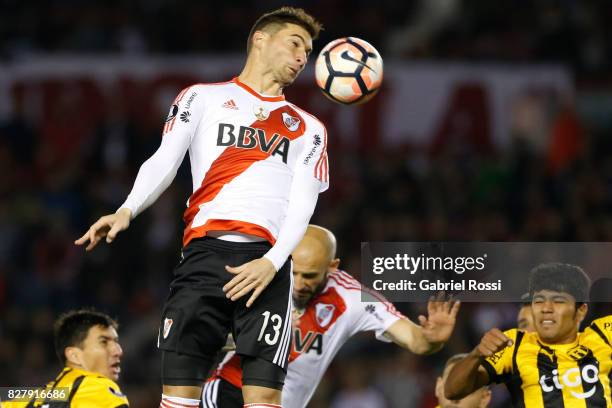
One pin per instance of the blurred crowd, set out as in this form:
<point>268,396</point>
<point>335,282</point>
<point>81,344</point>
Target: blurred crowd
<point>573,31</point>
<point>52,189</point>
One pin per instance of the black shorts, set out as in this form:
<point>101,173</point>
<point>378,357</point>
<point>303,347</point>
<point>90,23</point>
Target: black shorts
<point>197,316</point>
<point>219,393</point>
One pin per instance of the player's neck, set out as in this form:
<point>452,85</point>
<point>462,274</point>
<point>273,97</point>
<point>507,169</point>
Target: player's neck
<point>570,338</point>
<point>260,81</point>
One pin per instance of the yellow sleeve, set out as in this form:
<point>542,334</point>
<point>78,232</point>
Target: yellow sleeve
<point>603,327</point>
<point>99,392</point>
<point>499,365</point>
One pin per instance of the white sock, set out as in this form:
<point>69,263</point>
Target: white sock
<point>177,402</point>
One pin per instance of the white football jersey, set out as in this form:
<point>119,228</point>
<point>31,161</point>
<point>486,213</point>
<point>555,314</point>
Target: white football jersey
<point>328,321</point>
<point>250,155</point>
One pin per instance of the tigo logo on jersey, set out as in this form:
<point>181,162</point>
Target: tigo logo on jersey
<point>167,327</point>
<point>324,313</point>
<point>290,122</point>
<point>572,378</point>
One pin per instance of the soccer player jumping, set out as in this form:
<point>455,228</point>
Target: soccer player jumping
<point>258,164</point>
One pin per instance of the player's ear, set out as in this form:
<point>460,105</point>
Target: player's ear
<point>581,312</point>
<point>259,37</point>
<point>334,264</point>
<point>74,355</point>
<point>439,388</point>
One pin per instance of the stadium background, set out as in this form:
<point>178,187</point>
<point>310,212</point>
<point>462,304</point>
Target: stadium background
<point>511,143</point>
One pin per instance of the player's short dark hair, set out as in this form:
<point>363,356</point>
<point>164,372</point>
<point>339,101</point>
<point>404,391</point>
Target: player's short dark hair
<point>275,20</point>
<point>560,277</point>
<point>71,328</point>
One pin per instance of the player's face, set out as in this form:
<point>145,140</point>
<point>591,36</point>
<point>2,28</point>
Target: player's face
<point>286,52</point>
<point>102,352</point>
<point>524,319</point>
<point>555,316</point>
<point>478,399</point>
<point>308,279</point>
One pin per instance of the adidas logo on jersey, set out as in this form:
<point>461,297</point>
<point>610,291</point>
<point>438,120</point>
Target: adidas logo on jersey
<point>250,138</point>
<point>230,105</point>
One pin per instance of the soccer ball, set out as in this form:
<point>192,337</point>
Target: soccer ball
<point>349,70</point>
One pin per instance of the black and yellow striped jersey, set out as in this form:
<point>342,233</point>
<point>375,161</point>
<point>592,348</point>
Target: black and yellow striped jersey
<point>540,375</point>
<point>85,390</point>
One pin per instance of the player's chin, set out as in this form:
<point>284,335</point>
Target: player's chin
<point>300,301</point>
<point>113,371</point>
<point>290,78</point>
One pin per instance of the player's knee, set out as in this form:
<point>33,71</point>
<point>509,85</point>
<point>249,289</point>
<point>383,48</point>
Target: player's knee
<point>262,373</point>
<point>182,391</point>
<point>253,394</point>
<point>183,372</point>
<point>262,381</point>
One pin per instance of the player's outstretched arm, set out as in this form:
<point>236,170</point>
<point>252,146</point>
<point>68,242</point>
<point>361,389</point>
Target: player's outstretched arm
<point>433,331</point>
<point>108,226</point>
<point>153,177</point>
<point>467,375</point>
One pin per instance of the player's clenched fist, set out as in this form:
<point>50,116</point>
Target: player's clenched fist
<point>493,341</point>
<point>108,226</point>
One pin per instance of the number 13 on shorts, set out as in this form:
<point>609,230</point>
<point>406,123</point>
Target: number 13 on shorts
<point>271,328</point>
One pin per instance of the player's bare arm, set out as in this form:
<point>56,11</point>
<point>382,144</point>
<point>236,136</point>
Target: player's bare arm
<point>433,331</point>
<point>468,375</point>
<point>107,226</point>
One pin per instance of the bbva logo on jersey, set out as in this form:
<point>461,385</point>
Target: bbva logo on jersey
<point>250,138</point>
<point>311,341</point>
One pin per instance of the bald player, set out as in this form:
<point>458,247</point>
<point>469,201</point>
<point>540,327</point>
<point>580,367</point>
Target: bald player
<point>328,310</point>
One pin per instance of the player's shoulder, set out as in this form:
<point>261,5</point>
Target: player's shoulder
<point>204,89</point>
<point>311,120</point>
<point>101,388</point>
<point>351,289</point>
<point>604,323</point>
<point>514,333</point>
<point>344,281</point>
<point>602,327</point>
